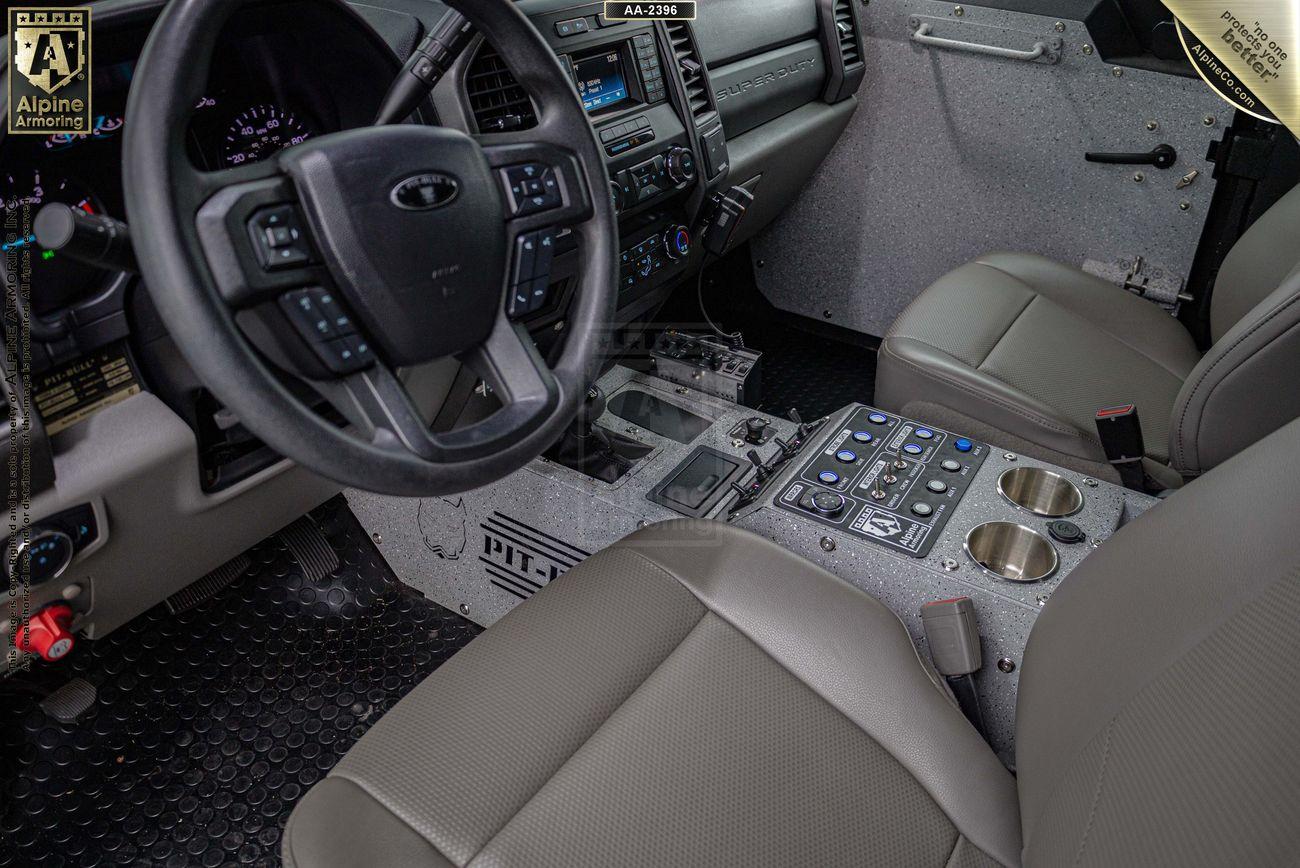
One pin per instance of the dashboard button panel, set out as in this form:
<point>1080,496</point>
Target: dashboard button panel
<point>278,237</point>
<point>533,187</point>
<point>318,316</point>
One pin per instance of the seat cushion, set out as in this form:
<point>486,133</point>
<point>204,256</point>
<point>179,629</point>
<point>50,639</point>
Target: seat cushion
<point>692,695</point>
<point>1034,348</point>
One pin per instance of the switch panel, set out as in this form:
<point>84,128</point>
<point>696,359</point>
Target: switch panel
<point>899,481</point>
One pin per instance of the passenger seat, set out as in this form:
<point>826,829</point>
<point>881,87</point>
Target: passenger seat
<point>1022,351</point>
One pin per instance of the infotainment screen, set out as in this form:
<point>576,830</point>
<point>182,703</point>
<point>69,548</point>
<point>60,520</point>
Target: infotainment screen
<point>600,80</point>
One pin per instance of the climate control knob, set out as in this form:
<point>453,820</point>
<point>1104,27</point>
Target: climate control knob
<point>677,242</point>
<point>679,162</point>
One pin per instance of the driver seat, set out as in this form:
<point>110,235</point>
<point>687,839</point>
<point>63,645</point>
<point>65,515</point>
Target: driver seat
<point>697,695</point>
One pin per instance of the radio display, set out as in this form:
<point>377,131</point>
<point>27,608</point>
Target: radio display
<point>600,80</point>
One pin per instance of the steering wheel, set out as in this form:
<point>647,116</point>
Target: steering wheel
<point>350,256</point>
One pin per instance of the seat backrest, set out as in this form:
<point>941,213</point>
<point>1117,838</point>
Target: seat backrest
<point>1244,387</point>
<point>1159,700</point>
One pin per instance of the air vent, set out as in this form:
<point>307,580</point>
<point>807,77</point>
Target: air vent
<point>847,34</point>
<point>692,68</point>
<point>495,97</point>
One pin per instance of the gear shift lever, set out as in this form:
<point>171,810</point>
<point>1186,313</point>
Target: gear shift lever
<point>590,449</point>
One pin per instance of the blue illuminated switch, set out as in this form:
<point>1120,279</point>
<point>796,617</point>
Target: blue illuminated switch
<point>878,418</point>
<point>828,477</point>
<point>961,444</point>
<point>925,433</point>
<point>863,436</point>
<point>848,456</point>
<point>912,448</point>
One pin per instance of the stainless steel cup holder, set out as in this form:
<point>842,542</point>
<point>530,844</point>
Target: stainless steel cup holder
<point>1011,551</point>
<point>1040,491</point>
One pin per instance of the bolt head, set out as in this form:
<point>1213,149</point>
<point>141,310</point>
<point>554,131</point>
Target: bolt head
<point>826,314</point>
<point>1087,49</point>
<point>827,544</point>
<point>1184,205</point>
<point>1009,456</point>
<point>949,564</point>
<point>378,539</point>
<point>1152,126</point>
<point>1090,482</point>
<point>959,11</point>
<point>464,608</point>
<point>1059,26</point>
<point>1139,177</point>
<point>1208,120</point>
<point>1116,71</point>
<point>1006,664</point>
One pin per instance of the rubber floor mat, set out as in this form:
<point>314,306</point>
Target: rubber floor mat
<point>211,724</point>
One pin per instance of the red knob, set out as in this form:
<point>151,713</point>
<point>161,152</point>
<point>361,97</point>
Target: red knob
<point>47,633</point>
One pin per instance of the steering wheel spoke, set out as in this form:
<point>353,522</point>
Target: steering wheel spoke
<point>377,404</point>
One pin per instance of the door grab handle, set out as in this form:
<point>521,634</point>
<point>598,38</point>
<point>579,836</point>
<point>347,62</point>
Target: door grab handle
<point>1042,48</point>
<point>1161,156</point>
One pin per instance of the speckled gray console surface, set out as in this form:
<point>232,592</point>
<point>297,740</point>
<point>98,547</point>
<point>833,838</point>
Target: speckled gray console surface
<point>953,154</point>
<point>483,552</point>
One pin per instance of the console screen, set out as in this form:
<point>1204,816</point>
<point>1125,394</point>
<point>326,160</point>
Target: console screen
<point>600,80</point>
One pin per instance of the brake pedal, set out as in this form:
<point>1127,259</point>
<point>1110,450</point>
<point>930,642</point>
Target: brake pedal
<point>310,549</point>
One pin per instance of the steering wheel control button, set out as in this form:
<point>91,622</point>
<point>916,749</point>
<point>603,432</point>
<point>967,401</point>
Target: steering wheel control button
<point>316,314</point>
<point>828,502</point>
<point>1066,532</point>
<point>346,355</point>
<point>533,187</point>
<point>912,448</point>
<point>828,477</point>
<point>950,465</point>
<point>923,509</point>
<point>531,271</point>
<point>938,486</point>
<point>877,418</point>
<point>848,456</point>
<point>924,433</point>
<point>961,444</point>
<point>278,238</point>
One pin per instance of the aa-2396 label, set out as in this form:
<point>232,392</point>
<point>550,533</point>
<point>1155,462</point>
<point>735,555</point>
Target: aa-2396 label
<point>641,10</point>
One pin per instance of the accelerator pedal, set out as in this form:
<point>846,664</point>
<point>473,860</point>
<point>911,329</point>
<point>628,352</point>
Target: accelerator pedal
<point>205,588</point>
<point>70,701</point>
<point>310,549</point>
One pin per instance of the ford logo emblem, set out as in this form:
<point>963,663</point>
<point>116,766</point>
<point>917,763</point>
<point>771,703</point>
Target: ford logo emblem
<point>422,192</point>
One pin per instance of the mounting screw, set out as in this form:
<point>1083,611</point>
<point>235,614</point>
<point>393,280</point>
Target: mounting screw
<point>1087,49</point>
<point>379,540</point>
<point>559,326</point>
<point>1009,456</point>
<point>959,11</point>
<point>826,314</point>
<point>1139,177</point>
<point>949,564</point>
<point>1208,120</point>
<point>1042,599</point>
<point>1096,542</point>
<point>1184,205</point>
<point>761,263</point>
<point>736,443</point>
<point>1090,482</point>
<point>645,522</point>
<point>1153,126</point>
<point>827,544</point>
<point>1059,26</point>
<point>464,608</point>
<point>1006,664</point>
<point>681,390</point>
<point>632,429</point>
<point>1116,71</point>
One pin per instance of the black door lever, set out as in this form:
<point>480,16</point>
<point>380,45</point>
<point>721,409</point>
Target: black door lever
<point>1161,156</point>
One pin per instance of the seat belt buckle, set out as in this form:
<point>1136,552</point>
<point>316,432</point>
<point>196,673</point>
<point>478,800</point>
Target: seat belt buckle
<point>952,632</point>
<point>1121,439</point>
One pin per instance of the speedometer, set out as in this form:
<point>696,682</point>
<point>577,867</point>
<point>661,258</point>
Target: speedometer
<point>258,132</point>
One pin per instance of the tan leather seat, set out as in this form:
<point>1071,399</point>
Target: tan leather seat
<point>695,695</point>
<point>1022,351</point>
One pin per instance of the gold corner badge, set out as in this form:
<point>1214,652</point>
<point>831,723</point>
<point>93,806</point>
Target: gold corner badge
<point>1247,52</point>
<point>49,70</point>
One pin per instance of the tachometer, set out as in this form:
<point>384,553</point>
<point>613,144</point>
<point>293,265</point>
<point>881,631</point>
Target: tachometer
<point>258,132</point>
<point>55,280</point>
